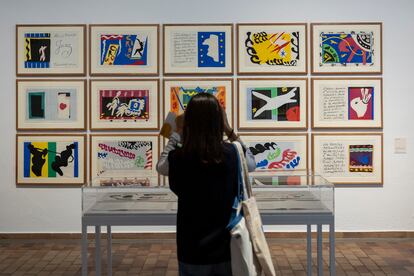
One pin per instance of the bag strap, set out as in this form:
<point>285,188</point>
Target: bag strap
<point>243,171</point>
<point>237,212</point>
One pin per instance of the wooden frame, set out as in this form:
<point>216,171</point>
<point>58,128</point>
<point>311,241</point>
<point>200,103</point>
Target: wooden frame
<point>358,103</point>
<point>127,175</point>
<point>369,47</point>
<point>51,91</point>
<point>277,62</point>
<point>219,62</point>
<point>203,84</point>
<point>289,159</point>
<point>145,61</point>
<point>51,50</point>
<point>27,174</point>
<point>365,168</point>
<point>147,90</point>
<point>294,116</point>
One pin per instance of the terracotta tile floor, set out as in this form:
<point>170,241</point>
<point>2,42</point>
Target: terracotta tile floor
<point>157,257</point>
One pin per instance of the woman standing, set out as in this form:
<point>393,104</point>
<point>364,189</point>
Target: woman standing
<point>203,174</point>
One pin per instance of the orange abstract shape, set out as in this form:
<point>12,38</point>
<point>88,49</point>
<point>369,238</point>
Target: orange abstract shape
<point>221,96</point>
<point>293,114</point>
<point>175,106</point>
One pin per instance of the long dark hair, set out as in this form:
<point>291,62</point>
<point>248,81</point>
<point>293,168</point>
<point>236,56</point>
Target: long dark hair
<point>203,128</point>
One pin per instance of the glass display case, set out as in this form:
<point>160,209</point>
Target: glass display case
<point>285,192</point>
<point>284,198</point>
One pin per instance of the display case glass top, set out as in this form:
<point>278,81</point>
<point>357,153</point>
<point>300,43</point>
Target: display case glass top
<point>292,192</point>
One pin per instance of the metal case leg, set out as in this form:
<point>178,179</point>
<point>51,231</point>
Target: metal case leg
<point>319,250</point>
<point>84,249</point>
<point>309,249</point>
<point>98,249</point>
<point>109,250</point>
<point>332,268</point>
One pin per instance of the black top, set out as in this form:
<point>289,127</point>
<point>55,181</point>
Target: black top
<point>205,197</point>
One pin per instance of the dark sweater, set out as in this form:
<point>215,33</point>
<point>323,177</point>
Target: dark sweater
<point>205,198</point>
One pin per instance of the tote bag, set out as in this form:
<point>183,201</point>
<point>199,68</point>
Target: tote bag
<point>250,253</point>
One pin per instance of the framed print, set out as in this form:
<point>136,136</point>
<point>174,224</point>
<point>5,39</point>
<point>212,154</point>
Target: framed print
<point>123,49</point>
<point>347,103</point>
<point>56,159</point>
<point>271,48</point>
<point>178,92</point>
<point>191,49</point>
<point>346,48</point>
<point>272,104</point>
<point>348,158</point>
<point>128,158</point>
<point>282,151</point>
<point>124,104</point>
<point>44,104</point>
<point>49,50</point>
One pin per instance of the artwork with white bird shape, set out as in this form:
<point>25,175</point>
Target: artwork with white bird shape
<point>275,103</point>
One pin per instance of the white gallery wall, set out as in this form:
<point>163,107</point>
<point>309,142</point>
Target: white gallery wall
<point>386,208</point>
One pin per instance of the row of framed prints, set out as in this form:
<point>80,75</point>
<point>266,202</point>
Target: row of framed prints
<point>262,48</point>
<point>128,159</point>
<point>262,104</point>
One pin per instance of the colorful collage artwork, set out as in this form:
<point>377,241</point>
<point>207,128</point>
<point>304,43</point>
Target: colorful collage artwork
<point>347,49</point>
<point>51,104</point>
<point>275,49</point>
<point>50,50</point>
<point>37,54</point>
<point>198,49</point>
<point>360,158</point>
<point>178,92</point>
<point>180,96</point>
<point>347,102</point>
<point>273,103</point>
<point>278,152</point>
<point>51,159</point>
<point>130,158</point>
<point>272,48</point>
<point>360,101</point>
<point>211,49</point>
<point>124,105</point>
<point>348,158</point>
<point>124,155</point>
<point>124,49</point>
<point>273,156</point>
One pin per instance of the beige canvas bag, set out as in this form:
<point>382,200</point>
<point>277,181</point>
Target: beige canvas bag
<point>253,220</point>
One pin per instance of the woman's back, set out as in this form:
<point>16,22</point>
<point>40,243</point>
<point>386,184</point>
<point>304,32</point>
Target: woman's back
<point>205,191</point>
